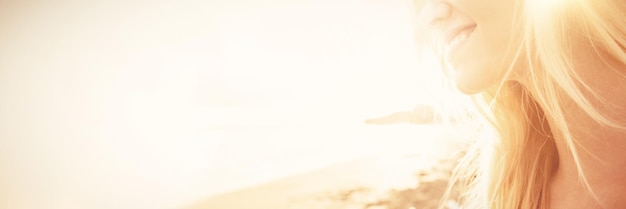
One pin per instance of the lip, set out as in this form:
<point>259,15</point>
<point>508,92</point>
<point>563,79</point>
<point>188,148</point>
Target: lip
<point>451,34</point>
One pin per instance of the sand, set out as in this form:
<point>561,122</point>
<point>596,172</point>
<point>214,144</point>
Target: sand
<point>410,181</point>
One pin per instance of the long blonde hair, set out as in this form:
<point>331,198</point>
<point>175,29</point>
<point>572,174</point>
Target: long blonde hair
<point>513,169</point>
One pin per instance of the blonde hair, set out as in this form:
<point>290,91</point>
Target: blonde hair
<point>513,168</point>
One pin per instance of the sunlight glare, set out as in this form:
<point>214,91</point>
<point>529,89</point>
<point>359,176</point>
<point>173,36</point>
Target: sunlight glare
<point>176,101</point>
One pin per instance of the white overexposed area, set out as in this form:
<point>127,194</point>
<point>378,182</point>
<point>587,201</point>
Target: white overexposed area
<point>157,104</point>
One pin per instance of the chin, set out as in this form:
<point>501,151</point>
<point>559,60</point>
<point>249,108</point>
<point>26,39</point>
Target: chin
<point>468,91</point>
<point>473,79</point>
<point>471,85</point>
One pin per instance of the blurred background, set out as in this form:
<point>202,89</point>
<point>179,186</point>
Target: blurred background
<point>215,104</point>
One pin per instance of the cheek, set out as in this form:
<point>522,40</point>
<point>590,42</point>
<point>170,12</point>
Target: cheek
<point>485,64</point>
<point>489,53</point>
<point>490,56</point>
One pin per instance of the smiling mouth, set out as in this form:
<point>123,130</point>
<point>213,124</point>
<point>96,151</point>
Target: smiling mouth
<point>461,35</point>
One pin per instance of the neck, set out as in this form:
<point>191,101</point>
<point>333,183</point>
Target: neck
<point>601,150</point>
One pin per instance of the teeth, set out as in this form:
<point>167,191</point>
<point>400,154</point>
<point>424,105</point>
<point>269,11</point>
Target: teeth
<point>459,38</point>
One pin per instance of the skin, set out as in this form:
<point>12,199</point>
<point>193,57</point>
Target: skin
<point>487,43</point>
<point>604,163</point>
<point>481,64</point>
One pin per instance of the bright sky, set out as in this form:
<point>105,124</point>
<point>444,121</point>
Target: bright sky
<point>345,59</point>
<point>106,99</point>
<point>344,52</point>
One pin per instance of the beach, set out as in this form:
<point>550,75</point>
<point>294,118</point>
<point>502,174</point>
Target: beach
<point>159,105</point>
<point>415,178</point>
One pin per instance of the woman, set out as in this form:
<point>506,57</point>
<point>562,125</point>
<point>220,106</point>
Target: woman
<point>549,77</point>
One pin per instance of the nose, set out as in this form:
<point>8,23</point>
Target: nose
<point>436,11</point>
